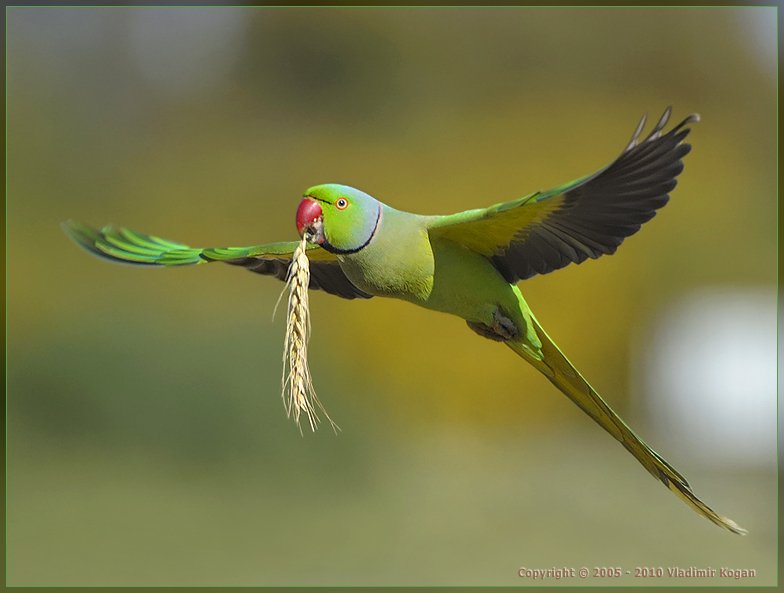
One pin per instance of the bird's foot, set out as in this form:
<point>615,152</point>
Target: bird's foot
<point>503,328</point>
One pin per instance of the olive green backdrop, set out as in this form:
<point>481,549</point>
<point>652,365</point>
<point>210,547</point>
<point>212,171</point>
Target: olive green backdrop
<point>147,442</point>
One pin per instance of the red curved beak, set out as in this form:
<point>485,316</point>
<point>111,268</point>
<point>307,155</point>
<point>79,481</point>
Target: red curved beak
<point>309,217</point>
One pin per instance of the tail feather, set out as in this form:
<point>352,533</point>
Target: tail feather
<point>555,366</point>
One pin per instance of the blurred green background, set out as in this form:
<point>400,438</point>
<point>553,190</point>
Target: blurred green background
<point>147,442</point>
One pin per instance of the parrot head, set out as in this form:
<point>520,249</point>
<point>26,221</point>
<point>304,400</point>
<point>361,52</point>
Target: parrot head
<point>339,218</point>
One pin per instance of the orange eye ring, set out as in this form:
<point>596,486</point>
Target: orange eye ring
<point>341,204</point>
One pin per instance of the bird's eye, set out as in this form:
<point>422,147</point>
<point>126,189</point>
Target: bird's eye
<point>342,203</point>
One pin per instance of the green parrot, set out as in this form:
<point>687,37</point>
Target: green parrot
<point>466,264</point>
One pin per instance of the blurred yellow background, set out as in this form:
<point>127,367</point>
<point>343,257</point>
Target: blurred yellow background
<point>147,443</point>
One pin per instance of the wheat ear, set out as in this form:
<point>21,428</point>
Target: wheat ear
<point>298,394</point>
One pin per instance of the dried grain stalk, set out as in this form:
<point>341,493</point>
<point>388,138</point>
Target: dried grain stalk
<point>298,394</point>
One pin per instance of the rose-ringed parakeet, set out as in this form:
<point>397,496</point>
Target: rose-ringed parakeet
<point>467,264</point>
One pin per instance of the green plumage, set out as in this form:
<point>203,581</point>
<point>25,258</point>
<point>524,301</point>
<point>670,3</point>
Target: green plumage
<point>130,247</point>
<point>126,246</point>
<point>466,264</point>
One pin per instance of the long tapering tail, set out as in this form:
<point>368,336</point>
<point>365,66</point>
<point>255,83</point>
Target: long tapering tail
<point>555,366</point>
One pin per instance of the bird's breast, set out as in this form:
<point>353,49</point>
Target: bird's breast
<point>398,262</point>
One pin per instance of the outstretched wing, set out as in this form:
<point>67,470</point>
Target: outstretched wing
<point>127,246</point>
<point>589,217</point>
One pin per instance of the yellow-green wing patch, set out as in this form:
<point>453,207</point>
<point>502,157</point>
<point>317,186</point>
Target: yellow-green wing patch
<point>490,230</point>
